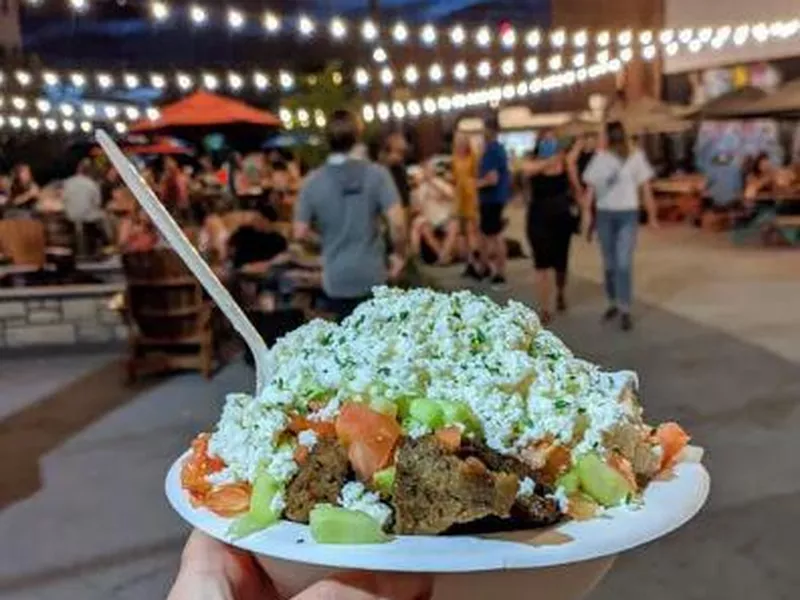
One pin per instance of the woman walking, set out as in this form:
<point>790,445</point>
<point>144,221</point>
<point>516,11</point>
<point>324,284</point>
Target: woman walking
<point>465,175</point>
<point>618,177</point>
<point>552,220</point>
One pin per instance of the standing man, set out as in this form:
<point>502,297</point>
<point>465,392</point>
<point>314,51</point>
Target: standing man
<point>344,201</point>
<point>494,186</point>
<point>83,205</point>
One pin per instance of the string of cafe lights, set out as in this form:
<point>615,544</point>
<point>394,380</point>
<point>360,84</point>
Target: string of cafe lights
<point>87,109</point>
<point>430,105</point>
<point>339,29</point>
<point>53,125</point>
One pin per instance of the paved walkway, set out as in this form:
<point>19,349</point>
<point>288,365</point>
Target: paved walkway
<point>717,343</point>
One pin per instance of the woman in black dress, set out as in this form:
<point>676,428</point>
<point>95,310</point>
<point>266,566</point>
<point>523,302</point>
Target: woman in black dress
<point>552,219</point>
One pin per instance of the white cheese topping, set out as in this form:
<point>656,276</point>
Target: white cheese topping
<point>355,496</point>
<point>527,488</point>
<point>521,382</point>
<point>307,438</point>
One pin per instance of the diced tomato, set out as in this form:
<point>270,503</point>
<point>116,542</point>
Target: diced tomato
<point>449,438</point>
<point>559,461</point>
<point>197,467</point>
<point>301,454</point>
<point>673,439</point>
<point>229,500</point>
<point>624,467</point>
<point>324,429</point>
<point>370,437</point>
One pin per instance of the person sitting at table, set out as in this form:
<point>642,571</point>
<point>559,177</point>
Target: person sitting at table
<point>23,194</point>
<point>137,233</point>
<point>253,248</point>
<point>83,205</point>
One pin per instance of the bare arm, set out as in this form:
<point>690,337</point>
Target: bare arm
<point>491,178</point>
<point>398,230</point>
<point>650,204</point>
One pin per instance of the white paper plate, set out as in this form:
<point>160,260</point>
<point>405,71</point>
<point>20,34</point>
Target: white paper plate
<point>667,506</point>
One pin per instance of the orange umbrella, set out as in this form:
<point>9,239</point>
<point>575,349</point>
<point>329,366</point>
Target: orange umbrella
<point>160,145</point>
<point>203,109</point>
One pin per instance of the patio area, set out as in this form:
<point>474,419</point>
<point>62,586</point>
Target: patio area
<point>717,345</point>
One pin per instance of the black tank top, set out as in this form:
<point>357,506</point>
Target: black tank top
<point>550,197</point>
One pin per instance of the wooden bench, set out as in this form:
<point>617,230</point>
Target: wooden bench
<point>788,226</point>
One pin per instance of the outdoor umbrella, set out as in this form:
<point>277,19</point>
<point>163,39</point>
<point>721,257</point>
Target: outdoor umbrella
<point>162,146</point>
<point>731,104</point>
<point>784,102</point>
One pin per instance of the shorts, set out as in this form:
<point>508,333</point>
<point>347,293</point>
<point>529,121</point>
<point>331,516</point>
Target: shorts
<point>492,219</point>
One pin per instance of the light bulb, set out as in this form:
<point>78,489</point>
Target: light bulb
<point>158,81</point>
<point>507,67</point>
<point>649,52</point>
<point>79,5</point>
<point>236,19</point>
<point>398,110</point>
<point>131,81</point>
<point>522,89</point>
<point>460,71</point>
<point>741,34</point>
<point>387,77</point>
<point>198,14</point>
<point>705,34</point>
<point>533,38</point>
<point>50,124</point>
<point>435,73</point>
<point>368,113</point>
<point>602,57</point>
<point>33,123</point>
<point>105,81</point>
<point>666,36</point>
<point>509,91</point>
<point>319,119</point>
<point>67,110</point>
<point>444,103</point>
<point>428,35</point>
<point>50,78</point>
<point>271,22</point>
<point>88,110</point>
<point>483,37</point>
<point>580,39</point>
<point>210,81</point>
<point>86,127</point>
<point>400,33</point>
<point>338,28</point>
<point>23,78</point>
<point>457,35</point>
<point>15,122</point>
<point>261,81</point>
<point>484,69</point>
<point>111,111</point>
<point>531,65</point>
<point>362,77</point>
<point>414,108</point>
<point>672,48</point>
<point>160,11</point>
<point>760,33</point>
<point>132,113</point>
<point>383,111</point>
<point>626,54</point>
<point>646,38</point>
<point>555,62</point>
<point>152,113</point>
<point>579,60</point>
<point>429,105</point>
<point>285,115</point>
<point>235,81</point>
<point>379,55</point>
<point>184,81</point>
<point>369,31</point>
<point>78,79</point>
<point>411,74</point>
<point>625,38</point>
<point>19,103</point>
<point>603,38</point>
<point>558,38</point>
<point>302,115</point>
<point>685,35</point>
<point>723,33</point>
<point>43,105</point>
<point>695,46</point>
<point>305,26</point>
<point>120,127</point>
<point>286,80</point>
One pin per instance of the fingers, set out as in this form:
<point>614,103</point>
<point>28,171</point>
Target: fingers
<point>370,586</point>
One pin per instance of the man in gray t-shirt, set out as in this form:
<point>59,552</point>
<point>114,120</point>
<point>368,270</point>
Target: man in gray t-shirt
<point>343,201</point>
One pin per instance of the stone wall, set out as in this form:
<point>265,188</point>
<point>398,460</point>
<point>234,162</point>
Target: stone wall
<point>59,316</point>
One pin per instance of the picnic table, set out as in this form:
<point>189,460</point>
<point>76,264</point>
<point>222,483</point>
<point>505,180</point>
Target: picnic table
<point>680,197</point>
<point>769,220</point>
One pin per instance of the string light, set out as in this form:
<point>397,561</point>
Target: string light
<point>369,31</point>
<point>458,35</point>
<point>672,48</point>
<point>338,28</point>
<point>705,34</point>
<point>580,39</point>
<point>89,110</point>
<point>261,81</point>
<point>51,125</point>
<point>398,110</point>
<point>435,73</point>
<point>23,78</point>
<point>19,103</point>
<point>286,80</point>
<point>305,26</point>
<point>646,38</point>
<point>429,105</point>
<point>235,81</point>
<point>368,113</point>
<point>533,38</point>
<point>198,14</point>
<point>602,57</point>
<point>483,37</point>
<point>579,60</point>
<point>362,77</point>
<point>86,127</point>
<point>400,33</point>
<point>184,81</point>
<point>411,75</point>
<point>414,108</point>
<point>383,111</point>
<point>666,37</point>
<point>68,110</point>
<point>15,122</point>
<point>43,105</point>
<point>509,38</point>
<point>111,111</point>
<point>379,55</point>
<point>649,52</point>
<point>152,113</point>
<point>555,62</point>
<point>558,38</point>
<point>460,71</point>
<point>625,38</point>
<point>603,39</point>
<point>387,76</point>
<point>484,69</point>
<point>271,22</point>
<point>132,113</point>
<point>105,81</point>
<point>50,78</point>
<point>741,34</point>
<point>685,35</point>
<point>235,19</point>
<point>695,46</point>
<point>158,81</point>
<point>507,67</point>
<point>428,35</point>
<point>210,81</point>
<point>160,11</point>
<point>78,80</point>
<point>131,81</point>
<point>760,33</point>
<point>79,6</point>
<point>626,54</point>
<point>120,128</point>
<point>531,65</point>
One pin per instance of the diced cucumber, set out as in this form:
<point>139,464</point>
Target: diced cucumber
<point>385,407</point>
<point>426,412</point>
<point>571,482</point>
<point>459,413</point>
<point>260,516</point>
<point>384,481</point>
<point>601,482</point>
<point>335,525</point>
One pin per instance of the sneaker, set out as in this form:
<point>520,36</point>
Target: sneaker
<point>626,322</point>
<point>472,273</point>
<point>498,280</point>
<point>561,303</point>
<point>610,314</point>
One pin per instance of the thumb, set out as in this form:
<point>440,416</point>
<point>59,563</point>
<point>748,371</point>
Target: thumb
<point>370,586</point>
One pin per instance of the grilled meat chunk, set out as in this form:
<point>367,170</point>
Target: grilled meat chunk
<point>319,480</point>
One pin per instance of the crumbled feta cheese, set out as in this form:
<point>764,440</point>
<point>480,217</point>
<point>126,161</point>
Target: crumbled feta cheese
<point>278,504</point>
<point>527,488</point>
<point>354,496</point>
<point>522,383</point>
<point>221,477</point>
<point>307,438</point>
<point>560,496</point>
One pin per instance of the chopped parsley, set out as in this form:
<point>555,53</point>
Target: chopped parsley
<point>561,404</point>
<point>404,315</point>
<point>326,339</point>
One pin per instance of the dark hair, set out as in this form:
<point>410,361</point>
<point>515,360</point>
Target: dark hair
<point>267,211</point>
<point>492,124</point>
<point>617,138</point>
<point>342,132</point>
<point>84,167</point>
<point>756,168</point>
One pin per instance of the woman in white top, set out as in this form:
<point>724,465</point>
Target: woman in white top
<point>618,176</point>
<point>434,226</point>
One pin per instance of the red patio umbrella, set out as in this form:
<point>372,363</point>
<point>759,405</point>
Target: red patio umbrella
<point>203,109</point>
<point>161,145</point>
